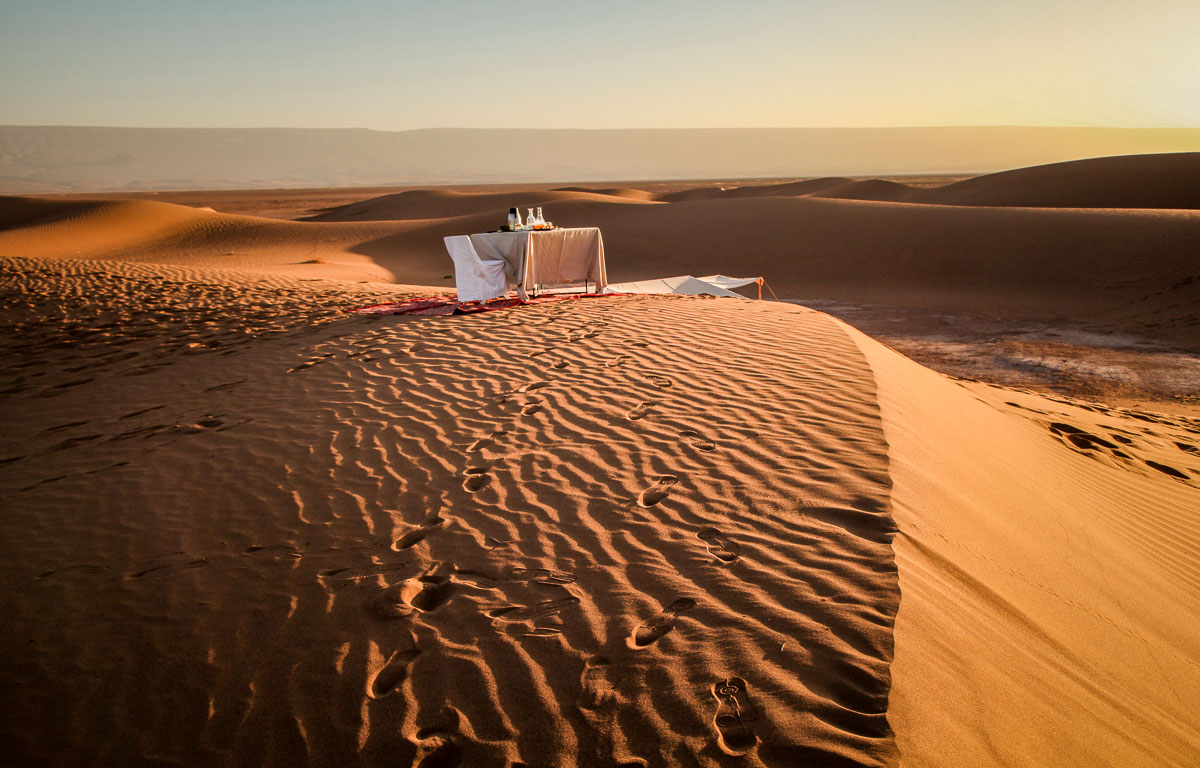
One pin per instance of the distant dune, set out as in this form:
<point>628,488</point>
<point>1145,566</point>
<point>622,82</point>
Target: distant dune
<point>1133,269</point>
<point>439,204</point>
<point>35,159</point>
<point>1136,181</point>
<point>1169,180</point>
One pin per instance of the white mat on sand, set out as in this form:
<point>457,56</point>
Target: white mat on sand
<point>713,285</point>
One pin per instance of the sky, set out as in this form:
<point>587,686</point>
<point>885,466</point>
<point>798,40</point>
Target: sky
<point>650,64</point>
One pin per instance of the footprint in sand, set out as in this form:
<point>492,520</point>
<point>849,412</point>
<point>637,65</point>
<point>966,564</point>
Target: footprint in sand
<point>435,589</point>
<point>719,545</point>
<point>618,360</point>
<point>1083,441</point>
<point>361,572</point>
<point>531,407</point>
<point>531,386</point>
<point>698,442</point>
<point>425,593</point>
<point>395,601</point>
<point>661,624</point>
<point>477,478</point>
<point>1166,470</point>
<point>530,620</point>
<point>661,382</point>
<point>539,575</point>
<point>394,672</point>
<point>597,688</point>
<point>486,442</point>
<point>418,534</point>
<point>640,410</point>
<point>438,745</point>
<point>657,492</point>
<point>735,716</point>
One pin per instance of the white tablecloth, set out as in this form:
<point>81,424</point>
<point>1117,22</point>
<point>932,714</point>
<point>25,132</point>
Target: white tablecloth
<point>549,259</point>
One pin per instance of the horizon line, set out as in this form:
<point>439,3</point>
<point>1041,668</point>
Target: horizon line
<point>597,130</point>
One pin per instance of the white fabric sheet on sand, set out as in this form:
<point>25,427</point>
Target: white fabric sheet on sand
<point>684,284</point>
<point>727,282</point>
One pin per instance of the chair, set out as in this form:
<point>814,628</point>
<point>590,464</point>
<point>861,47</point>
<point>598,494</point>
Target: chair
<point>475,278</point>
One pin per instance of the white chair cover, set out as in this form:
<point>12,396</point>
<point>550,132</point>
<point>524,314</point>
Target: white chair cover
<point>476,279</point>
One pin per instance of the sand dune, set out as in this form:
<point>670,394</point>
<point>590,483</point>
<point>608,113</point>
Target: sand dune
<point>785,189</point>
<point>1132,270</point>
<point>156,232</point>
<point>870,189</point>
<point>1039,541</point>
<point>246,527</point>
<point>1132,181</point>
<point>440,204</point>
<point>626,192</point>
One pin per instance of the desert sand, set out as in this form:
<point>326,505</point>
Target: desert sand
<point>244,526</point>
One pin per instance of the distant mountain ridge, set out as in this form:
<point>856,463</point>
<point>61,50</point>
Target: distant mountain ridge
<point>50,159</point>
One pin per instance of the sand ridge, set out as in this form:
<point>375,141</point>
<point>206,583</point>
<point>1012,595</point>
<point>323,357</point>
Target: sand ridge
<point>568,559</point>
<point>1047,559</point>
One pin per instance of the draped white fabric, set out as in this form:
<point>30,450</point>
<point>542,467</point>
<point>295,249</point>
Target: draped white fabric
<point>685,284</point>
<point>554,258</point>
<point>729,283</point>
<point>477,279</point>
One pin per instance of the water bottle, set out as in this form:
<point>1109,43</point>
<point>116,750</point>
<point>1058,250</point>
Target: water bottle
<point>514,219</point>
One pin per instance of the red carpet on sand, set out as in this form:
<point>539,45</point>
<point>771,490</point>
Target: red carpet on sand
<point>449,305</point>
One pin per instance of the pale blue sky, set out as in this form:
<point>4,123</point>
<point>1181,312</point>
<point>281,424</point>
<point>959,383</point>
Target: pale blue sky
<point>656,63</point>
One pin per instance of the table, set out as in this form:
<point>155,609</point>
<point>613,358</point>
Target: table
<point>554,258</point>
